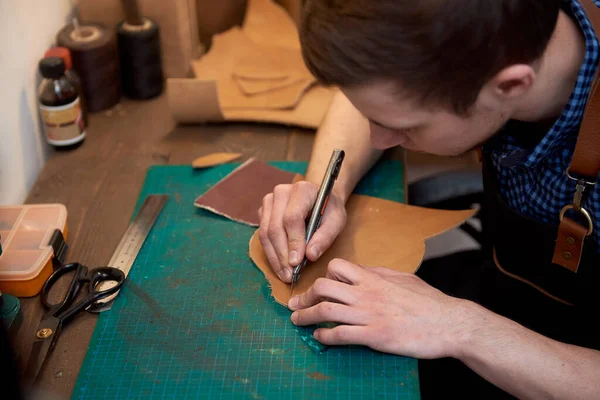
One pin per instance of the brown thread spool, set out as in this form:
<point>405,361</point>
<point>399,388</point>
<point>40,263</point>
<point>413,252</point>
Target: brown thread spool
<point>95,57</point>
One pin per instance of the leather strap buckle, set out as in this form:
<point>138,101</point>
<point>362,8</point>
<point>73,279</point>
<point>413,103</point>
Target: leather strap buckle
<point>583,212</point>
<point>583,181</point>
<point>582,185</point>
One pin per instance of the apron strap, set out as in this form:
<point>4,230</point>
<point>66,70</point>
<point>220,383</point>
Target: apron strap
<point>584,168</point>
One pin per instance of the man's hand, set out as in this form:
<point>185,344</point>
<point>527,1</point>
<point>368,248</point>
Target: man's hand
<point>282,229</point>
<point>386,310</point>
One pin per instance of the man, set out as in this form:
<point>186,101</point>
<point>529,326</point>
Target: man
<point>511,77</point>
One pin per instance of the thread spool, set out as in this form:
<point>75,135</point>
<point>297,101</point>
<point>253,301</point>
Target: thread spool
<point>94,51</point>
<point>139,54</point>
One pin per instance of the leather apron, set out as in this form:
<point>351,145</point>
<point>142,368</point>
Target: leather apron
<point>544,277</point>
<point>561,262</point>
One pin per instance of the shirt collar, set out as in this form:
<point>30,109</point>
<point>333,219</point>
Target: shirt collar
<point>567,125</point>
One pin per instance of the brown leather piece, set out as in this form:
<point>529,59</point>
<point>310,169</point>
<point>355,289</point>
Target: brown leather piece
<point>214,159</point>
<point>586,158</point>
<point>266,47</point>
<point>569,244</point>
<point>239,195</point>
<point>270,24</point>
<point>378,233</point>
<point>232,48</point>
<point>252,87</point>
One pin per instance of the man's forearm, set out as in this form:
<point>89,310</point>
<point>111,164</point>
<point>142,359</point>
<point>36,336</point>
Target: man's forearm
<point>526,364</point>
<point>345,128</point>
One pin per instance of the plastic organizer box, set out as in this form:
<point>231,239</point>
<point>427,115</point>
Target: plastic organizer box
<point>25,233</point>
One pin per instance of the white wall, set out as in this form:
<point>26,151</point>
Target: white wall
<point>27,29</point>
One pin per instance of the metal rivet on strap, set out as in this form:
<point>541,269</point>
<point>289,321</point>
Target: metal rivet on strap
<point>567,255</point>
<point>570,241</point>
<point>44,333</point>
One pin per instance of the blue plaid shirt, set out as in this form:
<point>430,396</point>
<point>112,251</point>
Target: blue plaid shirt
<point>532,179</point>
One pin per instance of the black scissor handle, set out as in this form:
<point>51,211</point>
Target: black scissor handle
<point>74,288</point>
<point>95,277</point>
<point>105,274</point>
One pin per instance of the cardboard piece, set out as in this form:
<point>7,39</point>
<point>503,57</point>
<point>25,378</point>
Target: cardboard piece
<point>239,195</point>
<point>243,66</point>
<point>177,20</point>
<point>193,100</point>
<point>379,233</point>
<point>218,16</point>
<point>214,159</point>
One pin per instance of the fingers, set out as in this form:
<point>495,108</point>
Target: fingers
<point>328,312</point>
<point>342,335</point>
<point>276,231</point>
<point>334,222</point>
<point>344,271</point>
<point>294,220</point>
<point>323,289</point>
<point>282,272</point>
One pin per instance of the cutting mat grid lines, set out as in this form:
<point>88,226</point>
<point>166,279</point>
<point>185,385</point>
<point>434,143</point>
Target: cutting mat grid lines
<point>195,318</point>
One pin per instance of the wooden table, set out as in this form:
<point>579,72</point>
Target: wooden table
<point>99,184</point>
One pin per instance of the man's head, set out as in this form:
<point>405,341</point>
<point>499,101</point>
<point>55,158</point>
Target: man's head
<point>416,63</point>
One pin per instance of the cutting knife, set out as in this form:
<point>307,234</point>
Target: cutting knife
<point>316,215</point>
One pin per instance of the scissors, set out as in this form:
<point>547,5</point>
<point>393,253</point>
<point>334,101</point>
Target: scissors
<point>61,313</point>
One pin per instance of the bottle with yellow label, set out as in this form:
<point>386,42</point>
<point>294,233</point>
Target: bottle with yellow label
<point>60,105</point>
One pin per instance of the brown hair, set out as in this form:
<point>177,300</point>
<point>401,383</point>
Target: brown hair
<point>441,51</point>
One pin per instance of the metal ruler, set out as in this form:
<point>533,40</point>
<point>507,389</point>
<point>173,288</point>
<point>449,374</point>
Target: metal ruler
<point>130,245</point>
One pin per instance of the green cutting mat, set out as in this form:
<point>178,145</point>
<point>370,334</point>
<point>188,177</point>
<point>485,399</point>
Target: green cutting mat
<point>195,318</point>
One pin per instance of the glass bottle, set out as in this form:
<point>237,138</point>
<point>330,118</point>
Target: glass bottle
<point>60,105</point>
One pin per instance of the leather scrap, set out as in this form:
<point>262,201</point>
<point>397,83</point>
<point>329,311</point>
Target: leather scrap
<point>239,195</point>
<point>378,233</point>
<point>228,48</point>
<point>235,74</point>
<point>269,23</point>
<point>270,62</point>
<point>214,159</point>
<point>253,87</point>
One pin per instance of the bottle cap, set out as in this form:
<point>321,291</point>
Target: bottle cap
<point>62,52</point>
<point>52,67</point>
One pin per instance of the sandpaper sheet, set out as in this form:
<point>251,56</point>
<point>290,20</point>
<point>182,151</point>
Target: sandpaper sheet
<point>214,159</point>
<point>239,195</point>
<point>379,233</point>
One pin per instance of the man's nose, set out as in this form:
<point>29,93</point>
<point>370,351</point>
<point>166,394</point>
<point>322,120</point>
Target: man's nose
<point>382,138</point>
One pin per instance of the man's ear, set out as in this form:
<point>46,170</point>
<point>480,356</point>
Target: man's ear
<point>512,82</point>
